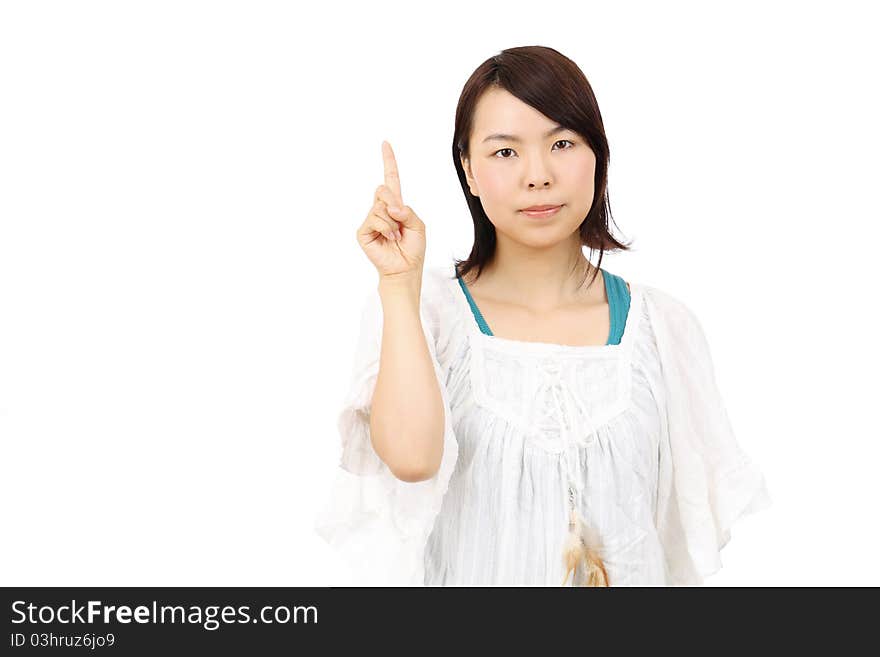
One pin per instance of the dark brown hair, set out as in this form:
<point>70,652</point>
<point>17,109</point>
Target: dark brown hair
<point>555,86</point>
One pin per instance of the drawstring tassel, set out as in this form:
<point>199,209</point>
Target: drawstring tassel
<point>582,547</point>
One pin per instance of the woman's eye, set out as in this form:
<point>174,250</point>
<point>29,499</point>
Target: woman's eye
<point>568,141</point>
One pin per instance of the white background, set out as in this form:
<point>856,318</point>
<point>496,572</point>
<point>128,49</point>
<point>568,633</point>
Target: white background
<point>180,285</point>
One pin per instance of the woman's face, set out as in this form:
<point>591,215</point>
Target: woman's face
<point>527,163</point>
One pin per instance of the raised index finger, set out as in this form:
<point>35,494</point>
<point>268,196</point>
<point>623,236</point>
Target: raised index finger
<point>392,178</point>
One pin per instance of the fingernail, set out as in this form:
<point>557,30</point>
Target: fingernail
<point>397,235</point>
<point>394,209</point>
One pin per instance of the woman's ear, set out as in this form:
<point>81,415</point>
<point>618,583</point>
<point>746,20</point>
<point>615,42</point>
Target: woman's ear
<point>466,165</point>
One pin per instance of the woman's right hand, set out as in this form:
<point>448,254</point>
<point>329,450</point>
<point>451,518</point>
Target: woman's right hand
<point>394,242</point>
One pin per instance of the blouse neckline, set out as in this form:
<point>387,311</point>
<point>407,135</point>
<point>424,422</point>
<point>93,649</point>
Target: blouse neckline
<point>626,315</point>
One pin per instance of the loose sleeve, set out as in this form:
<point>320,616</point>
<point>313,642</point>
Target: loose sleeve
<point>707,482</point>
<point>377,524</point>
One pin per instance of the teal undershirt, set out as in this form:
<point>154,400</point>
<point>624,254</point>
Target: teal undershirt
<point>618,305</point>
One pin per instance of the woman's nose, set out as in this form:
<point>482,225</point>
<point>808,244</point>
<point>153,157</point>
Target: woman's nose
<point>538,172</point>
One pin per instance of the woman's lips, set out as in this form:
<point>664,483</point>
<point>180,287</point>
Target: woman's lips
<point>542,213</point>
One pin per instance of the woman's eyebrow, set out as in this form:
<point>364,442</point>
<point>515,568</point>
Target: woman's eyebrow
<point>500,136</point>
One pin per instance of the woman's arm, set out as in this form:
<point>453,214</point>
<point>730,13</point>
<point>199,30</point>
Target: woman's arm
<point>407,421</point>
<point>406,418</point>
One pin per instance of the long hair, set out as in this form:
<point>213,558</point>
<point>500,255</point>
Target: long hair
<point>555,86</point>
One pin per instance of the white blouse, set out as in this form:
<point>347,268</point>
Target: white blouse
<point>634,434</point>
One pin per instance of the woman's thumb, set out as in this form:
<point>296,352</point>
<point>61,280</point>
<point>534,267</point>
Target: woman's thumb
<point>403,214</point>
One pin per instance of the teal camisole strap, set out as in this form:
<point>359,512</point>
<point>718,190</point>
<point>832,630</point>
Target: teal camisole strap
<point>476,311</point>
<point>618,304</point>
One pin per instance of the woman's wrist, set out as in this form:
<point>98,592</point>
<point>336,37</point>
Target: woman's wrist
<point>407,285</point>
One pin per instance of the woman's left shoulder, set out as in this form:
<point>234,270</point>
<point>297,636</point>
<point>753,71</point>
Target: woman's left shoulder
<point>661,304</point>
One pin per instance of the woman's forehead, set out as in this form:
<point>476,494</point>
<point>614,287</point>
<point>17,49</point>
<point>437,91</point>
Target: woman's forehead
<point>501,115</point>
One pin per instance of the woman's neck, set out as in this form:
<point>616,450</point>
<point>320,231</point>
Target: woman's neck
<point>539,279</point>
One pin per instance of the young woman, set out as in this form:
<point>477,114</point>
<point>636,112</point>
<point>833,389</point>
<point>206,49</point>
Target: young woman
<point>524,417</point>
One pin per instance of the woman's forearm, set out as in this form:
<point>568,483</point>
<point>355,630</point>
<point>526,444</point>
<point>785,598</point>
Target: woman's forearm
<point>407,418</point>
